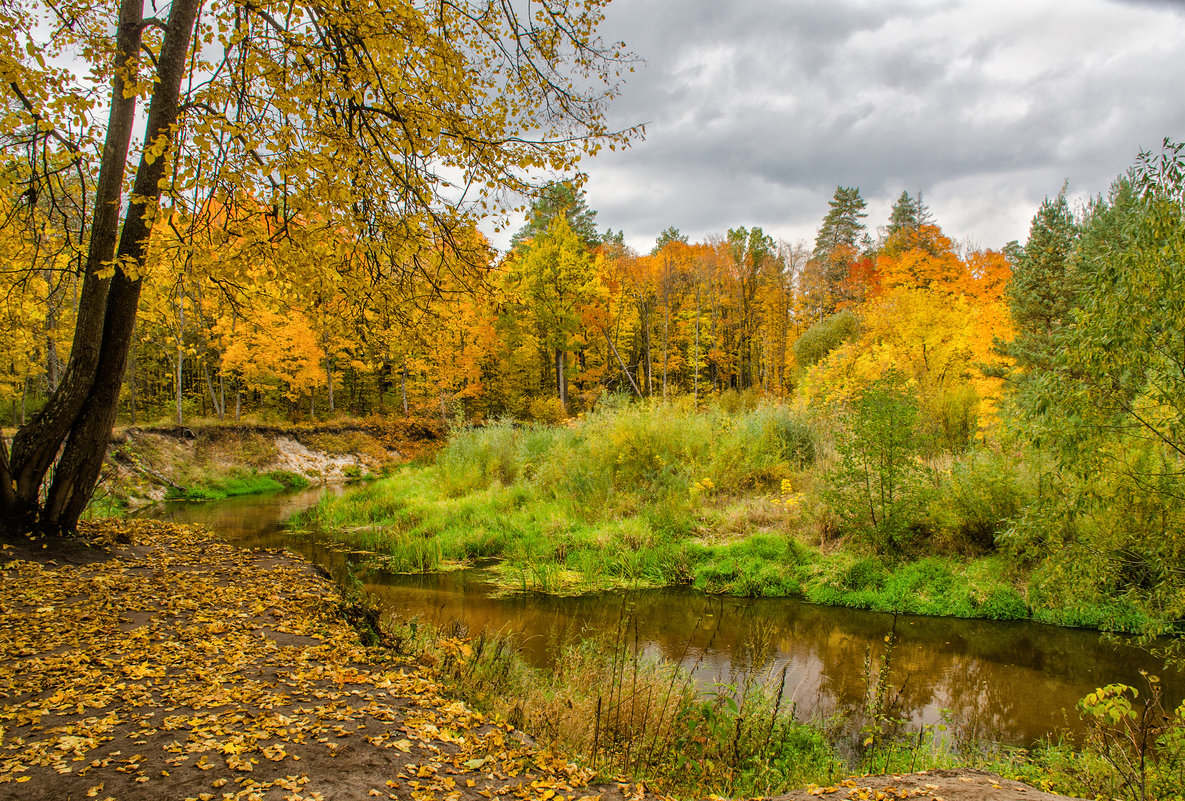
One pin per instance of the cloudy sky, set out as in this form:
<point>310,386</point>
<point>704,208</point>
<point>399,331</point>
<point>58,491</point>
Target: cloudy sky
<point>756,110</point>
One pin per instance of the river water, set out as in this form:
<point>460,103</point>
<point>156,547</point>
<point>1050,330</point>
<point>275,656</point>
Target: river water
<point>1010,682</point>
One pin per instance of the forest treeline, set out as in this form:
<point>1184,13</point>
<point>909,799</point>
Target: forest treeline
<point>1043,385</point>
<point>245,313</point>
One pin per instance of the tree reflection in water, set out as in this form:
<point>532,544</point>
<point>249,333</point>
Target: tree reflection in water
<point>1013,682</point>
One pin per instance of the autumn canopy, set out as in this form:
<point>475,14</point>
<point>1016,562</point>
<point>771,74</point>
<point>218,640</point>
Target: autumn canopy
<point>389,127</point>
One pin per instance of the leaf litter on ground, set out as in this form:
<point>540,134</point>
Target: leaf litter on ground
<point>153,661</point>
<point>182,667</point>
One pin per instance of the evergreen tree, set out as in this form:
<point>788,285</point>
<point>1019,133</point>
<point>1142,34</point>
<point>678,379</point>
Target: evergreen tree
<point>554,199</point>
<point>667,236</point>
<point>906,219</point>
<point>613,239</point>
<point>838,244</point>
<point>842,226</point>
<point>1043,290</point>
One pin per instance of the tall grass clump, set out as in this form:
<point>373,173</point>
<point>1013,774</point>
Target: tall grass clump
<point>653,451</point>
<point>614,498</point>
<point>623,453</point>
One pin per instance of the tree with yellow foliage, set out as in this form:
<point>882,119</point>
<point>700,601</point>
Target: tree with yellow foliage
<point>555,279</point>
<point>368,119</point>
<point>933,323</point>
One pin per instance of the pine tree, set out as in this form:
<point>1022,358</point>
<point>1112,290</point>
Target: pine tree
<point>1043,289</point>
<point>554,199</point>
<point>907,217</point>
<point>842,226</point>
<point>838,244</point>
<point>670,234</point>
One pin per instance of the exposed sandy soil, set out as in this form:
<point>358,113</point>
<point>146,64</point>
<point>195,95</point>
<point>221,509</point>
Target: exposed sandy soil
<point>168,665</point>
<point>143,464</point>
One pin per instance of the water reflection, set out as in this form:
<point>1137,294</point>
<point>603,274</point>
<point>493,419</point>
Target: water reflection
<point>1009,681</point>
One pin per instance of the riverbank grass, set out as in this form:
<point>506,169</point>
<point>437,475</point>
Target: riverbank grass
<point>728,501</point>
<point>620,709</point>
<point>236,484</point>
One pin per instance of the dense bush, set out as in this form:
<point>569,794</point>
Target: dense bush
<point>825,336</point>
<point>978,499</point>
<point>876,489</point>
<point>621,451</point>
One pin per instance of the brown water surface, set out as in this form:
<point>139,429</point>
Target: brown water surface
<point>1012,682</point>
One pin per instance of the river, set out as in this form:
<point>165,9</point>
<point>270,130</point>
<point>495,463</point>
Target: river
<point>1009,682</point>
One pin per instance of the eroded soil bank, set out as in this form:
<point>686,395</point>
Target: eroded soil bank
<point>148,465</point>
<point>157,662</point>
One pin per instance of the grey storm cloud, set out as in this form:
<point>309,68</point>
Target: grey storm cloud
<point>755,110</point>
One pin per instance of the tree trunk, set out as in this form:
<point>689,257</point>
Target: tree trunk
<point>666,321</point>
<point>715,372</point>
<point>625,370</point>
<point>82,412</point>
<point>82,456</point>
<point>180,373</point>
<point>695,385</point>
<point>649,364</point>
<point>8,497</point>
<point>132,391</point>
<point>329,379</point>
<point>561,383</point>
<point>219,409</point>
<point>36,444</point>
<point>403,386</point>
<point>53,362</point>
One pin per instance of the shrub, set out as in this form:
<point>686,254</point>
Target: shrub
<point>865,574</point>
<point>1003,603</point>
<point>288,480</point>
<point>763,564</point>
<point>825,336</point>
<point>548,411</point>
<point>976,503</point>
<point>876,487</point>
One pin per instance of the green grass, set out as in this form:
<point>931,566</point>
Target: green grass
<point>978,588</point>
<point>548,544</point>
<point>103,505</point>
<point>544,547</point>
<point>617,500</point>
<point>237,484</point>
<point>647,495</point>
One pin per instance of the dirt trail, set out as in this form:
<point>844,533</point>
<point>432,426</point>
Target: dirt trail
<point>176,666</point>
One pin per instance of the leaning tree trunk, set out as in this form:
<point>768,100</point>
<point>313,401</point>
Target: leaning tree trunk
<point>36,444</point>
<point>82,411</point>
